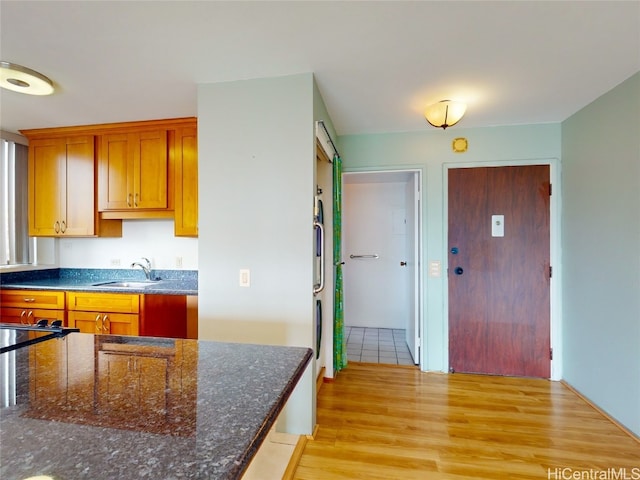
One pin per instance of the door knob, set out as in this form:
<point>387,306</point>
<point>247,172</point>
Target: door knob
<point>403,264</point>
<point>459,271</point>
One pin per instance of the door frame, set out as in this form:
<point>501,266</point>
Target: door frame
<point>419,218</point>
<point>555,313</point>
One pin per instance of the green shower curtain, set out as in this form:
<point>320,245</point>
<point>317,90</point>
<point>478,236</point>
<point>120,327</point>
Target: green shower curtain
<point>339,341</point>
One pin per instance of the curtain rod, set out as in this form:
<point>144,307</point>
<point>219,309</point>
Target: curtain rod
<point>335,149</point>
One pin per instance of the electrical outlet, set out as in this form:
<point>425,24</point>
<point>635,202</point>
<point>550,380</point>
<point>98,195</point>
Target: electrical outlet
<point>245,277</point>
<point>178,262</point>
<point>115,262</point>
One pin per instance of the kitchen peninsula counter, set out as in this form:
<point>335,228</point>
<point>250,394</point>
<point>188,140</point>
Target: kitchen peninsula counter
<point>107,407</point>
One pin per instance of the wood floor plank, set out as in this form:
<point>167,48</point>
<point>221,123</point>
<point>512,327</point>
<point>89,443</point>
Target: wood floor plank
<point>387,422</point>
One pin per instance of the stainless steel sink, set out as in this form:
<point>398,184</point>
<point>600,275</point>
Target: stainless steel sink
<point>127,284</point>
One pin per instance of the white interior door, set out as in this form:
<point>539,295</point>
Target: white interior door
<point>412,193</point>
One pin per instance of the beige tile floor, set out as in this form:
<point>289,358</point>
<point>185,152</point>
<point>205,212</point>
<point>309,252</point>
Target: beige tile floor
<point>273,457</point>
<point>377,345</point>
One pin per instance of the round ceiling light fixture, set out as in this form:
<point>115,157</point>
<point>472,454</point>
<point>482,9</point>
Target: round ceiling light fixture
<point>24,80</point>
<point>445,113</point>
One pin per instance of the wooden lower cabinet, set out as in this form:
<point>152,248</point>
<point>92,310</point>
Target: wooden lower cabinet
<point>104,313</point>
<point>30,306</point>
<point>101,313</point>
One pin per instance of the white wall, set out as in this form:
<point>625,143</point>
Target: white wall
<point>431,151</point>
<point>601,251</point>
<point>153,239</point>
<point>256,185</point>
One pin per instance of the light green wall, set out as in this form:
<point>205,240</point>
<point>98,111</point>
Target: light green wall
<point>431,151</point>
<point>256,184</point>
<point>601,251</point>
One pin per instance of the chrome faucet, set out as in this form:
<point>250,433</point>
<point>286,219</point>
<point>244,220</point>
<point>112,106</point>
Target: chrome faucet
<point>145,268</point>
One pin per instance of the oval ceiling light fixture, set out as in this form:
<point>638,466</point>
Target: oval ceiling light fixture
<point>24,80</point>
<point>445,113</point>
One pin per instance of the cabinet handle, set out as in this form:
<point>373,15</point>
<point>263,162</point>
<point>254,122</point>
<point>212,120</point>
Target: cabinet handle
<point>106,325</point>
<point>98,323</point>
<point>135,202</point>
<point>23,321</point>
<point>29,300</point>
<point>64,226</point>
<point>29,315</point>
<point>129,200</point>
<point>56,227</point>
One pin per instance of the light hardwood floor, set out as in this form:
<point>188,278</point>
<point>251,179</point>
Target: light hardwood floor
<point>380,422</point>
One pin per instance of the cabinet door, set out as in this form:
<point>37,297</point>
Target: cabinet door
<point>115,173</point>
<point>150,169</point>
<point>46,186</point>
<point>61,187</point>
<point>186,182</point>
<point>120,324</point>
<point>29,316</point>
<point>87,322</point>
<point>78,208</point>
<point>133,171</point>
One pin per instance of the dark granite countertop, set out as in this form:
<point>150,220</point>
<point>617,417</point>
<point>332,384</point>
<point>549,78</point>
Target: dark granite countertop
<point>170,282</point>
<point>107,407</point>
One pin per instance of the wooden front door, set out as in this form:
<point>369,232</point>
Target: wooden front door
<point>499,270</point>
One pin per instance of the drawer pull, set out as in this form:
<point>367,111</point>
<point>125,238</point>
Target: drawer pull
<point>29,300</point>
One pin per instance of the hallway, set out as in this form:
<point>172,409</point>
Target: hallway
<point>377,345</point>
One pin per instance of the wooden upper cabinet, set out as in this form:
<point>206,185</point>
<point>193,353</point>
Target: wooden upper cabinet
<point>61,187</point>
<point>133,171</point>
<point>146,169</point>
<point>186,181</point>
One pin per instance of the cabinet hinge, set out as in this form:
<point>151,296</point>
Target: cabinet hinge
<point>550,190</point>
<point>550,271</point>
<point>551,354</point>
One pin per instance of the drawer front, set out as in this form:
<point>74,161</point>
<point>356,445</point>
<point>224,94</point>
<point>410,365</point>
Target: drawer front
<point>103,302</point>
<point>32,299</point>
<point>29,316</point>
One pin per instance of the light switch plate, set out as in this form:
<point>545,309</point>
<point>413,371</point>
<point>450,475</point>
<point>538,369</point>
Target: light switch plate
<point>497,225</point>
<point>435,268</point>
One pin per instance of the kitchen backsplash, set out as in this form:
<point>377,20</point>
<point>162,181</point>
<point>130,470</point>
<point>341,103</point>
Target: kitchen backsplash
<point>153,239</point>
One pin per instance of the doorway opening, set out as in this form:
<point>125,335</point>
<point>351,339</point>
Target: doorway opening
<point>382,249</point>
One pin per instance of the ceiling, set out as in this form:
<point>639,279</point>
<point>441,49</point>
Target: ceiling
<point>377,64</point>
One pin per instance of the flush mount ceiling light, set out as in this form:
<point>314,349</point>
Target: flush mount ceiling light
<point>445,113</point>
<point>24,80</point>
